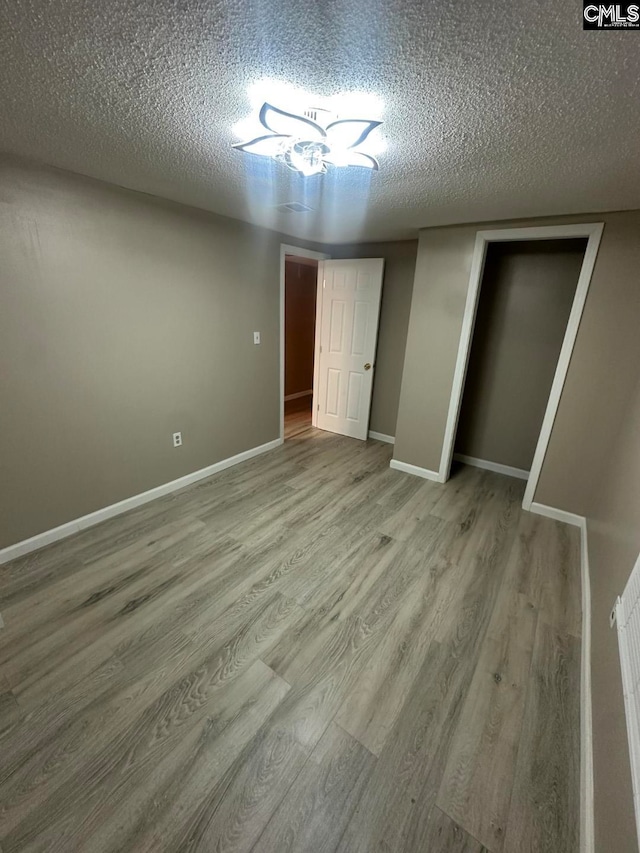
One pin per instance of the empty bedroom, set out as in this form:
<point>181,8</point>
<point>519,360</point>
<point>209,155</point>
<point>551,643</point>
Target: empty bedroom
<point>319,427</point>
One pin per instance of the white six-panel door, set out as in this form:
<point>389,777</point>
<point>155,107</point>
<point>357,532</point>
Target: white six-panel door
<point>348,334</point>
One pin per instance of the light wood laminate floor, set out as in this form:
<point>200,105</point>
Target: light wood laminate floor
<point>307,652</point>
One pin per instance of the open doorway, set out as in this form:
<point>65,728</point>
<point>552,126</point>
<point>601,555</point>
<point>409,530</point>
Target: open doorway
<point>526,294</point>
<point>335,375</point>
<point>300,286</point>
<point>586,233</point>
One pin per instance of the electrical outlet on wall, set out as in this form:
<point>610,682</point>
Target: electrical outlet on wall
<point>256,337</point>
<point>177,439</point>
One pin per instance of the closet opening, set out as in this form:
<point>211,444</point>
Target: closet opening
<point>526,294</point>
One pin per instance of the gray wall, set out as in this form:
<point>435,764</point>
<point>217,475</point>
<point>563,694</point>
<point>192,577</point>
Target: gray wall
<point>439,292</point>
<point>300,319</point>
<point>598,425</point>
<point>442,273</point>
<point>525,299</point>
<point>602,412</point>
<point>614,544</point>
<point>604,358</point>
<point>122,315</point>
<point>124,318</point>
<point>399,271</point>
<point>592,465</point>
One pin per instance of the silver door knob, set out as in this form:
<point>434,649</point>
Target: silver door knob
<point>367,366</point>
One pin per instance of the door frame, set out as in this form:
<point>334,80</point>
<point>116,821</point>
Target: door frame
<point>287,249</point>
<point>593,232</point>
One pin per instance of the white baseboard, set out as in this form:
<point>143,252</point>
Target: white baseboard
<point>71,527</point>
<point>557,514</point>
<point>587,829</point>
<point>380,436</point>
<point>425,473</point>
<point>298,394</point>
<point>496,467</point>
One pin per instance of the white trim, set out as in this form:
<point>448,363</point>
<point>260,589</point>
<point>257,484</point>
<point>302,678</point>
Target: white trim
<point>587,829</point>
<point>543,232</point>
<point>557,514</point>
<point>625,611</point>
<point>71,527</point>
<point>497,467</point>
<point>590,230</point>
<point>425,473</point>
<point>298,395</point>
<point>380,436</point>
<point>584,280</point>
<point>286,249</point>
<point>316,344</point>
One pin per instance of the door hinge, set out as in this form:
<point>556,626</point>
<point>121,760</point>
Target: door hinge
<point>318,407</point>
<point>320,347</point>
<point>324,283</point>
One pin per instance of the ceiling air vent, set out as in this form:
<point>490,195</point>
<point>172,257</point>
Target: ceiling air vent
<point>293,207</point>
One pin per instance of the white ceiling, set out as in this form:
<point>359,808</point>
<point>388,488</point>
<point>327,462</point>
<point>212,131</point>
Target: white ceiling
<point>493,108</point>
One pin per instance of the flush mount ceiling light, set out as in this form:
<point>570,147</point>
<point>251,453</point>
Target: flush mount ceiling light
<point>312,140</point>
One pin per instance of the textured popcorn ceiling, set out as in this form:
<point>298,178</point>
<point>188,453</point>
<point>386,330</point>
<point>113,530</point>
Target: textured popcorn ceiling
<point>492,109</point>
